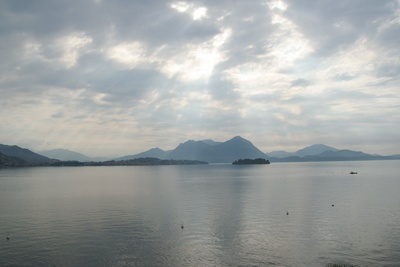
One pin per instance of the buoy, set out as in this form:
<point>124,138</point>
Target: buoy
<point>182,226</point>
<point>287,213</point>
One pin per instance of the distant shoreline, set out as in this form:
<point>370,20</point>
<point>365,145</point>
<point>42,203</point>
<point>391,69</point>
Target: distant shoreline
<point>13,162</point>
<point>111,164</point>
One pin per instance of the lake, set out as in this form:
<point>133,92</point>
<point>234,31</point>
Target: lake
<point>232,215</point>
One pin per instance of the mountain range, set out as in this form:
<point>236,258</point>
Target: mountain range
<point>204,150</point>
<point>307,151</point>
<point>64,154</point>
<point>240,148</point>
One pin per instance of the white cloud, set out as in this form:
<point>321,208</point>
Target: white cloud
<point>128,54</point>
<point>180,6</point>
<point>125,78</point>
<point>70,47</point>
<point>196,12</point>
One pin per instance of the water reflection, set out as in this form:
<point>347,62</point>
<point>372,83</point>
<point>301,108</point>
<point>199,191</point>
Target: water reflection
<point>232,215</point>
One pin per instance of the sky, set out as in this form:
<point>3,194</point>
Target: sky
<point>118,77</point>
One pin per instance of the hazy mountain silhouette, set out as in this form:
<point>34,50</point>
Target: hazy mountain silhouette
<point>211,142</point>
<point>314,150</point>
<point>342,154</point>
<point>240,148</point>
<point>307,151</point>
<point>207,150</point>
<point>152,153</point>
<point>338,155</point>
<point>193,150</point>
<point>237,148</point>
<point>24,154</point>
<point>65,155</point>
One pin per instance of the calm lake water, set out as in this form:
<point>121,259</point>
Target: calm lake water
<point>232,215</point>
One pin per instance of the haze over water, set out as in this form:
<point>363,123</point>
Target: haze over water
<point>232,215</point>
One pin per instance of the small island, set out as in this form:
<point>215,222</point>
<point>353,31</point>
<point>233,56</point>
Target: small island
<point>250,161</point>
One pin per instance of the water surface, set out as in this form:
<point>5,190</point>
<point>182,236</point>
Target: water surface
<point>232,215</point>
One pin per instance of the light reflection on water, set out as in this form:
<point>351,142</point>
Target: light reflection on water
<point>233,215</point>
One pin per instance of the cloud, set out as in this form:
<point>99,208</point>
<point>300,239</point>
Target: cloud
<point>121,77</point>
<point>300,83</point>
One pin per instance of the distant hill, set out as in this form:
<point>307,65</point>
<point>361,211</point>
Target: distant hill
<point>193,150</point>
<point>307,151</point>
<point>314,150</point>
<point>29,157</point>
<point>64,154</point>
<point>152,153</point>
<point>343,155</point>
<point>237,148</point>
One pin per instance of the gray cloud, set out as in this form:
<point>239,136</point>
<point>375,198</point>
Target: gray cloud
<point>125,71</point>
<point>332,25</point>
<point>343,77</point>
<point>300,82</point>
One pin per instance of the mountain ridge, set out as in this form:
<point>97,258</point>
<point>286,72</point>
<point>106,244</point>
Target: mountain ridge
<point>314,149</point>
<point>197,150</point>
<point>28,157</point>
<point>205,150</point>
<point>64,154</point>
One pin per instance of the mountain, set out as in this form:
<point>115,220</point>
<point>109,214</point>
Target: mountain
<point>307,151</point>
<point>152,153</point>
<point>216,152</point>
<point>314,150</point>
<point>344,154</point>
<point>29,157</point>
<point>240,148</point>
<point>65,155</point>
<point>211,142</point>
<point>193,150</point>
<point>237,148</point>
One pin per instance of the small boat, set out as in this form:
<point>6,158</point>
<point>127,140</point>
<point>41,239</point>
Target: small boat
<point>353,172</point>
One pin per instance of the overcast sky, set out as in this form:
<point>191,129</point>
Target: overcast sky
<point>111,78</point>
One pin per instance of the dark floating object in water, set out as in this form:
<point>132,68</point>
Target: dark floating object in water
<point>182,226</point>
<point>8,238</point>
<point>333,205</point>
<point>353,172</point>
<point>287,213</point>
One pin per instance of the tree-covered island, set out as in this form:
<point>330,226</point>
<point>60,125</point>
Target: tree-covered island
<point>250,161</point>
